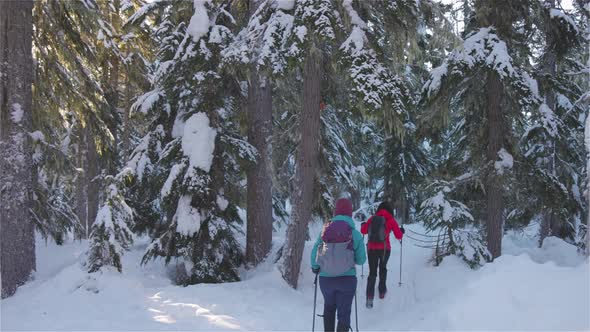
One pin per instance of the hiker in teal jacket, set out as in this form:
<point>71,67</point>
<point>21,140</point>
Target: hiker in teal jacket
<point>339,289</point>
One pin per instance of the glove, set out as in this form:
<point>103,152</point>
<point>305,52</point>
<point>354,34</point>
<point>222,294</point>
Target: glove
<point>315,270</point>
<point>363,224</point>
<point>402,229</point>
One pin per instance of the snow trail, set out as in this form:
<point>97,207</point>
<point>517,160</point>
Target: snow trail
<point>449,297</point>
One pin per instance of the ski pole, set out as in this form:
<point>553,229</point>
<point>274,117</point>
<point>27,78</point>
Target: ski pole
<point>401,250</point>
<point>362,266</point>
<point>315,296</point>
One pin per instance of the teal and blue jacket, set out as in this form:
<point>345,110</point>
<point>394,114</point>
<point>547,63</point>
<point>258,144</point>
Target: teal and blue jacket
<point>360,255</point>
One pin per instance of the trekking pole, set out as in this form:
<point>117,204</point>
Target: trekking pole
<point>356,313</point>
<point>362,267</point>
<point>315,296</point>
<point>401,250</point>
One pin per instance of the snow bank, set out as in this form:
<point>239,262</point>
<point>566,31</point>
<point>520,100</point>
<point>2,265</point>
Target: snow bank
<point>554,250</point>
<point>515,293</point>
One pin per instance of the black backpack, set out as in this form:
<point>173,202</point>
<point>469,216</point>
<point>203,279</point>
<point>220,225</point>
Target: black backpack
<point>377,229</point>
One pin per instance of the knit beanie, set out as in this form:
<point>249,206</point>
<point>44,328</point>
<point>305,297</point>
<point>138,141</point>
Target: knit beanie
<point>343,207</point>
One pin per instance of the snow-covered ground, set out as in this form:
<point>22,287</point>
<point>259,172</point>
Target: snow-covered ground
<point>526,289</point>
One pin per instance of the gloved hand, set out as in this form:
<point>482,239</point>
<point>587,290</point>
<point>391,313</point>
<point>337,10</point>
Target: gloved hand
<point>363,224</point>
<point>402,229</point>
<point>315,270</point>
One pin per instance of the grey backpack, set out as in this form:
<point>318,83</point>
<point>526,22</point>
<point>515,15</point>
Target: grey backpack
<point>335,254</point>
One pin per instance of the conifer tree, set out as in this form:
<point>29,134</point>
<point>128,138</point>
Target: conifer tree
<point>486,148</point>
<point>193,151</point>
<point>71,105</point>
<point>256,54</point>
<point>555,130</point>
<point>317,28</point>
<point>111,231</point>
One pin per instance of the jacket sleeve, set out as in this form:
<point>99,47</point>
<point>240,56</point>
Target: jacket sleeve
<point>365,227</point>
<point>360,255</point>
<point>396,231</point>
<point>314,253</point>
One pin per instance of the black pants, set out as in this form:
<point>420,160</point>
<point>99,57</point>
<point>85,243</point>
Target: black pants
<point>377,260</point>
<point>338,295</point>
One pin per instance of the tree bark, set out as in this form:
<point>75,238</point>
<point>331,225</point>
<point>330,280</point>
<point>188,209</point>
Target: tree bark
<point>126,137</point>
<point>307,155</point>
<point>495,203</point>
<point>113,91</point>
<point>259,191</point>
<point>355,198</point>
<point>111,88</point>
<point>17,244</point>
<point>588,197</point>
<point>113,100</point>
<point>81,183</point>
<point>92,178</point>
<point>549,222</point>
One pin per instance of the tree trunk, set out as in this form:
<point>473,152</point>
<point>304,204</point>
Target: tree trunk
<point>259,195</point>
<point>17,244</point>
<point>495,204</point>
<point>549,222</point>
<point>400,205</point>
<point>355,198</point>
<point>111,164</point>
<point>307,154</point>
<point>81,183</point>
<point>126,137</point>
<point>588,193</point>
<point>113,100</point>
<point>92,178</point>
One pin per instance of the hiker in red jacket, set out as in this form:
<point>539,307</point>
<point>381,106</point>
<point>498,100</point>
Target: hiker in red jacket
<point>378,252</point>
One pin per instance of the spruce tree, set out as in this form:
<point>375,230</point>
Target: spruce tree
<point>492,52</point>
<point>554,134</point>
<point>193,151</point>
<point>319,29</point>
<point>74,111</point>
<point>255,54</point>
<point>111,231</point>
<point>68,91</point>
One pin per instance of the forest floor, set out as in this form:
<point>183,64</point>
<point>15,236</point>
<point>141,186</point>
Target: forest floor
<point>528,288</point>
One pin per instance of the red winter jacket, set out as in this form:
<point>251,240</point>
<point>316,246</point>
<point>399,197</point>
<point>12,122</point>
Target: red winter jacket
<point>390,225</point>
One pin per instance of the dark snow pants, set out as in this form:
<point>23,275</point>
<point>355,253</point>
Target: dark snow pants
<point>338,295</point>
<point>377,260</point>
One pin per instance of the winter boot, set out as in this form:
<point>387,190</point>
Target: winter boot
<point>382,295</point>
<point>369,302</point>
<point>342,328</point>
